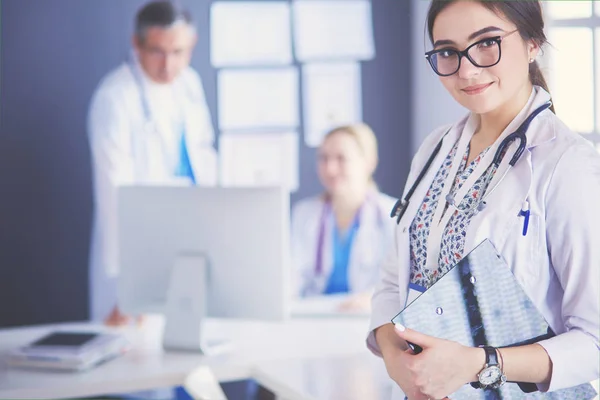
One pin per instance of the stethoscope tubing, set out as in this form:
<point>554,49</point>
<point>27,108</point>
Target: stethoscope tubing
<point>520,133</point>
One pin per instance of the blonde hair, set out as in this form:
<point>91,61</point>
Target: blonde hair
<point>366,139</point>
<point>364,136</point>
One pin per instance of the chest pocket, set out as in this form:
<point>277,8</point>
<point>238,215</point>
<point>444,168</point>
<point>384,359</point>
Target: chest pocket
<point>530,244</point>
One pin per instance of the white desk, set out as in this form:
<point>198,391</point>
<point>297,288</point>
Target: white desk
<point>148,366</point>
<point>301,359</point>
<point>354,377</point>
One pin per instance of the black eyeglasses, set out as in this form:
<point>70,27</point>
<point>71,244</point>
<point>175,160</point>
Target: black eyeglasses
<point>484,53</point>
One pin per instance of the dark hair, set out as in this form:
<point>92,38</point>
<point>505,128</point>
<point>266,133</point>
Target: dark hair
<point>162,14</point>
<point>525,14</point>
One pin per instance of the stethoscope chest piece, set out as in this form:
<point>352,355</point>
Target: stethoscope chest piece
<point>399,209</point>
<point>480,207</point>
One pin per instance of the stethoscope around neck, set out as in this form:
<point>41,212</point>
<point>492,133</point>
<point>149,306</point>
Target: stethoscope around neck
<point>150,125</point>
<point>519,134</point>
<point>136,71</point>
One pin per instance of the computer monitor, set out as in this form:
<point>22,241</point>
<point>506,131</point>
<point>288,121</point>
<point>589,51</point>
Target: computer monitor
<point>191,252</point>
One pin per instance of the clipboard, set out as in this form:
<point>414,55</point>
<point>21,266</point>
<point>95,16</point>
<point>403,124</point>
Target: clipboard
<point>480,302</point>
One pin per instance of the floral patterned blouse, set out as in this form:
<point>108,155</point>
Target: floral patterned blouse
<point>453,239</point>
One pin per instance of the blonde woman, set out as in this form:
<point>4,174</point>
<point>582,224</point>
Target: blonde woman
<point>340,237</point>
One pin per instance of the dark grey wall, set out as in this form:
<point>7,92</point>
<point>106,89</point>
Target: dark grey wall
<point>52,55</point>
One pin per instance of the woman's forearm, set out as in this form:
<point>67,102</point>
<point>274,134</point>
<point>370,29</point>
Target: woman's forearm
<point>388,340</point>
<point>528,363</point>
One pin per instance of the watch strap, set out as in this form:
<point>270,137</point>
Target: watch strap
<point>491,357</point>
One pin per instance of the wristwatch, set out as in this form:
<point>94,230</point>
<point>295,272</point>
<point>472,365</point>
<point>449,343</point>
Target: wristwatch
<point>491,376</point>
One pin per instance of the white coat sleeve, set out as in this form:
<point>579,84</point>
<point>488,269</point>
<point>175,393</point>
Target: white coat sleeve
<point>386,301</point>
<point>201,143</point>
<point>573,234</point>
<point>112,165</point>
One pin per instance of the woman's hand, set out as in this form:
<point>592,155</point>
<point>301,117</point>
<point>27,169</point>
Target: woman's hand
<point>440,369</point>
<point>396,355</point>
<point>117,319</point>
<point>396,365</point>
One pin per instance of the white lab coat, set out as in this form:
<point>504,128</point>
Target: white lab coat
<point>557,262</point>
<point>125,151</point>
<point>372,240</point>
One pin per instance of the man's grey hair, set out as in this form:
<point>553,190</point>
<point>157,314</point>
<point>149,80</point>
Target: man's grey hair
<point>160,14</point>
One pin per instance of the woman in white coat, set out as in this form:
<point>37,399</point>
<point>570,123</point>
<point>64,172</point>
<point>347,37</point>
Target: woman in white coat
<point>484,53</point>
<point>340,237</point>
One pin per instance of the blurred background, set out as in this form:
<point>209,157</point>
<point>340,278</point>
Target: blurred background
<point>53,53</point>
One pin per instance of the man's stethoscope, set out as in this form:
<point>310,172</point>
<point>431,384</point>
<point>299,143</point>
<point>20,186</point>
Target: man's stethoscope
<point>401,205</point>
<point>151,125</point>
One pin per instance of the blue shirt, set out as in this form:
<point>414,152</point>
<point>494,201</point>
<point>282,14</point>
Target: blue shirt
<point>184,168</point>
<point>342,246</point>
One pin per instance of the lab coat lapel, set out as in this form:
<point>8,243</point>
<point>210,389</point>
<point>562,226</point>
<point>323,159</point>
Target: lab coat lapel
<point>417,198</point>
<point>503,205</point>
<point>403,228</point>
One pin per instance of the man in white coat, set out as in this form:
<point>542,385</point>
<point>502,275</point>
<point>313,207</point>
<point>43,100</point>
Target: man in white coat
<point>148,124</point>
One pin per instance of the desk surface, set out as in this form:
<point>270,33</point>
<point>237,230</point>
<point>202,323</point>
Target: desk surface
<point>148,366</point>
<point>299,359</point>
<point>352,377</point>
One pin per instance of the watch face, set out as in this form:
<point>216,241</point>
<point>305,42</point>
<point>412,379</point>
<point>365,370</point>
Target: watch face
<point>490,375</point>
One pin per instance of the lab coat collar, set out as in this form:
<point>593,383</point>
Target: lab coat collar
<point>134,61</point>
<point>541,129</point>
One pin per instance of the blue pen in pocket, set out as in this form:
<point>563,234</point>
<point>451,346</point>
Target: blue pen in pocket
<point>525,213</point>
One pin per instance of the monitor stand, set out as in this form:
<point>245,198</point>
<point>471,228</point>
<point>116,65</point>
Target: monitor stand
<point>186,306</point>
